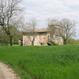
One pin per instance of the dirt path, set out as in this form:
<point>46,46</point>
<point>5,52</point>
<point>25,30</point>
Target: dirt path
<point>6,72</point>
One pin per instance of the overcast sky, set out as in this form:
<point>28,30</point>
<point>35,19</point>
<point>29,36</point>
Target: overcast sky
<point>44,9</point>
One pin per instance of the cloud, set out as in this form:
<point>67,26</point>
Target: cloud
<point>50,8</point>
<point>44,9</point>
<point>70,2</point>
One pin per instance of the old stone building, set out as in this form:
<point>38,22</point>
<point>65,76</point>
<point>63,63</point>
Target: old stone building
<point>41,37</point>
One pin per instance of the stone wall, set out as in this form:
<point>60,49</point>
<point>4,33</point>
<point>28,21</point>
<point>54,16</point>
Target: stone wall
<point>57,40</point>
<point>40,39</point>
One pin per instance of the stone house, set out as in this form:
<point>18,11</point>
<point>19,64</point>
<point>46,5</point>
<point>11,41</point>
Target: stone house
<point>41,37</point>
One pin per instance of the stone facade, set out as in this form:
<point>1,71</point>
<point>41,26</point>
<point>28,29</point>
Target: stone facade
<point>57,40</point>
<point>40,38</point>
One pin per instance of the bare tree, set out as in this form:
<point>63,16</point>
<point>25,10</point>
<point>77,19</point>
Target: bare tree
<point>67,29</point>
<point>53,27</point>
<point>30,27</point>
<point>33,30</point>
<point>63,28</point>
<point>8,9</point>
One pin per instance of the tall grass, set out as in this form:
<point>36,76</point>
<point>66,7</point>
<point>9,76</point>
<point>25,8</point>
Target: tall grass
<point>56,62</point>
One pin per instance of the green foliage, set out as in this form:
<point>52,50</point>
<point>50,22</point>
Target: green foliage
<point>57,62</point>
<point>4,38</point>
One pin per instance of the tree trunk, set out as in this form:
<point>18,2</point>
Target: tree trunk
<point>33,42</point>
<point>65,41</point>
<point>10,40</point>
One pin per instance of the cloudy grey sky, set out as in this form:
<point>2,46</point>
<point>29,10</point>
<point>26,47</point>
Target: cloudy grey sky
<point>44,9</point>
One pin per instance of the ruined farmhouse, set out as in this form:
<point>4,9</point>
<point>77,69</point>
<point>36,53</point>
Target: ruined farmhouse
<point>41,37</point>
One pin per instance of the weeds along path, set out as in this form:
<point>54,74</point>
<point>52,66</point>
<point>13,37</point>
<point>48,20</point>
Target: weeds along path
<point>6,72</point>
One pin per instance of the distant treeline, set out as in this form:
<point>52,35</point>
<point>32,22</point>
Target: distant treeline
<point>74,41</point>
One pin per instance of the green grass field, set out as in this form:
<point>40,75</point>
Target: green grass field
<point>56,62</point>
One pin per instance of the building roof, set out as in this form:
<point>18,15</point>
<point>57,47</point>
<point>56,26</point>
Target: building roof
<point>39,31</point>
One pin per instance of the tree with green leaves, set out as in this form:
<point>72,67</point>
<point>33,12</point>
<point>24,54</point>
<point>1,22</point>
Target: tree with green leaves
<point>8,10</point>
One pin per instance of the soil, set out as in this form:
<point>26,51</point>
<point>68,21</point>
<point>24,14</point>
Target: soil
<point>6,72</point>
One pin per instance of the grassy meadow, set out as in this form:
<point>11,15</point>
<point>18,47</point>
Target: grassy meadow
<point>53,62</point>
